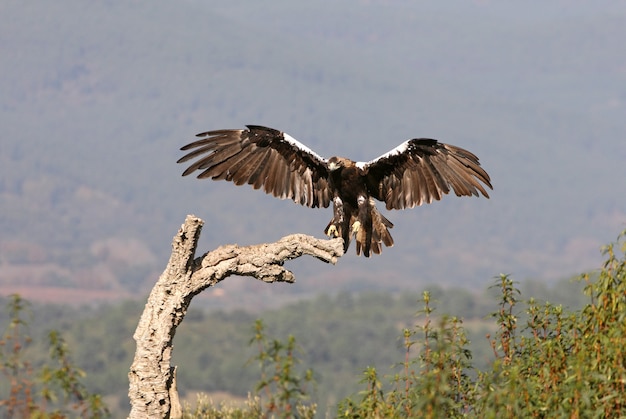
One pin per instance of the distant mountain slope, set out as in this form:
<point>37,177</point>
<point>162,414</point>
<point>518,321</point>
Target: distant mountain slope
<point>97,98</point>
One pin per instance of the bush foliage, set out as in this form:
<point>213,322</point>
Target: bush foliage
<point>52,390</point>
<point>553,364</point>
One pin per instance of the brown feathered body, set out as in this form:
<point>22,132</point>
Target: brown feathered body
<point>416,172</point>
<point>354,211</point>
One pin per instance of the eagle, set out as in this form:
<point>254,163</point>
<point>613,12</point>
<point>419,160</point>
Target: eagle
<point>416,172</point>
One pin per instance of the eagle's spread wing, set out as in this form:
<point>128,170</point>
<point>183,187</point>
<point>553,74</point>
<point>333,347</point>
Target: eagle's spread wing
<point>261,157</point>
<point>422,170</point>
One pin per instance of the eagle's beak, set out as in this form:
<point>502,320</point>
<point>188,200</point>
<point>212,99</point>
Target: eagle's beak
<point>333,166</point>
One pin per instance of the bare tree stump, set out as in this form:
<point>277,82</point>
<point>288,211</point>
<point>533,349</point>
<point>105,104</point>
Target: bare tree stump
<point>152,381</point>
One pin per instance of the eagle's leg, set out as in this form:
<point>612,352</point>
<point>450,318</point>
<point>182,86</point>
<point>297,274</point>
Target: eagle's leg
<point>364,215</point>
<point>334,227</point>
<point>339,226</point>
<point>362,226</point>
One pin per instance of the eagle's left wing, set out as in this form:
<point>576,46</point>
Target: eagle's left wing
<point>422,170</point>
<point>261,157</point>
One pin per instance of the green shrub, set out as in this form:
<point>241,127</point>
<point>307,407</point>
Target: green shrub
<point>281,391</point>
<point>557,364</point>
<point>54,389</point>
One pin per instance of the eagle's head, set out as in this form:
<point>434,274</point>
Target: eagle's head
<point>335,163</point>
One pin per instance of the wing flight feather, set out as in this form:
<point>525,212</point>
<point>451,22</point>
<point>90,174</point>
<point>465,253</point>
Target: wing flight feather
<point>421,170</point>
<point>264,158</point>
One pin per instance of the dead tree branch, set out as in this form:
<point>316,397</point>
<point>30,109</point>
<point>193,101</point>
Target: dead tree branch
<point>152,388</point>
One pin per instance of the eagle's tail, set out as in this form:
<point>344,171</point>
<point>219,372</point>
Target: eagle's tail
<point>368,226</point>
<point>373,229</point>
<point>381,226</point>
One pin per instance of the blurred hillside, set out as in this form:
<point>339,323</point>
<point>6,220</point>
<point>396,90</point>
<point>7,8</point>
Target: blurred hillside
<point>97,97</point>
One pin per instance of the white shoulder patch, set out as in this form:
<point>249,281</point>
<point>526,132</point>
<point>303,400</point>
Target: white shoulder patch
<point>301,146</point>
<point>398,150</point>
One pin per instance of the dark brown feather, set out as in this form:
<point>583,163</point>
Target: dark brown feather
<point>417,172</point>
<point>262,157</point>
<point>422,170</point>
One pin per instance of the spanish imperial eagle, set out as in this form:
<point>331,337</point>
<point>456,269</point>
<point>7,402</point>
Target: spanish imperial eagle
<point>412,174</point>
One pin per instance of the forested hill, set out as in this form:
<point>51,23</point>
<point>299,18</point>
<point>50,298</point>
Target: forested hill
<point>97,97</point>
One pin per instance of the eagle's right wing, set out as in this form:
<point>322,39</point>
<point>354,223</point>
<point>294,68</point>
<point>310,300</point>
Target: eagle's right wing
<point>262,157</point>
<point>421,170</point>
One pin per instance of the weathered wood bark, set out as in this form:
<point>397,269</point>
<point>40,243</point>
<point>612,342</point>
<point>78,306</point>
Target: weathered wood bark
<point>152,381</point>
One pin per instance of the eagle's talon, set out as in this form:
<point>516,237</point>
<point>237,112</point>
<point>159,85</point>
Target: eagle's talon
<point>332,231</point>
<point>356,226</point>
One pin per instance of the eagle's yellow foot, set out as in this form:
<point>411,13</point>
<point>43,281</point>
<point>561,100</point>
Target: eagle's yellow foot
<point>332,231</point>
<point>356,226</point>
